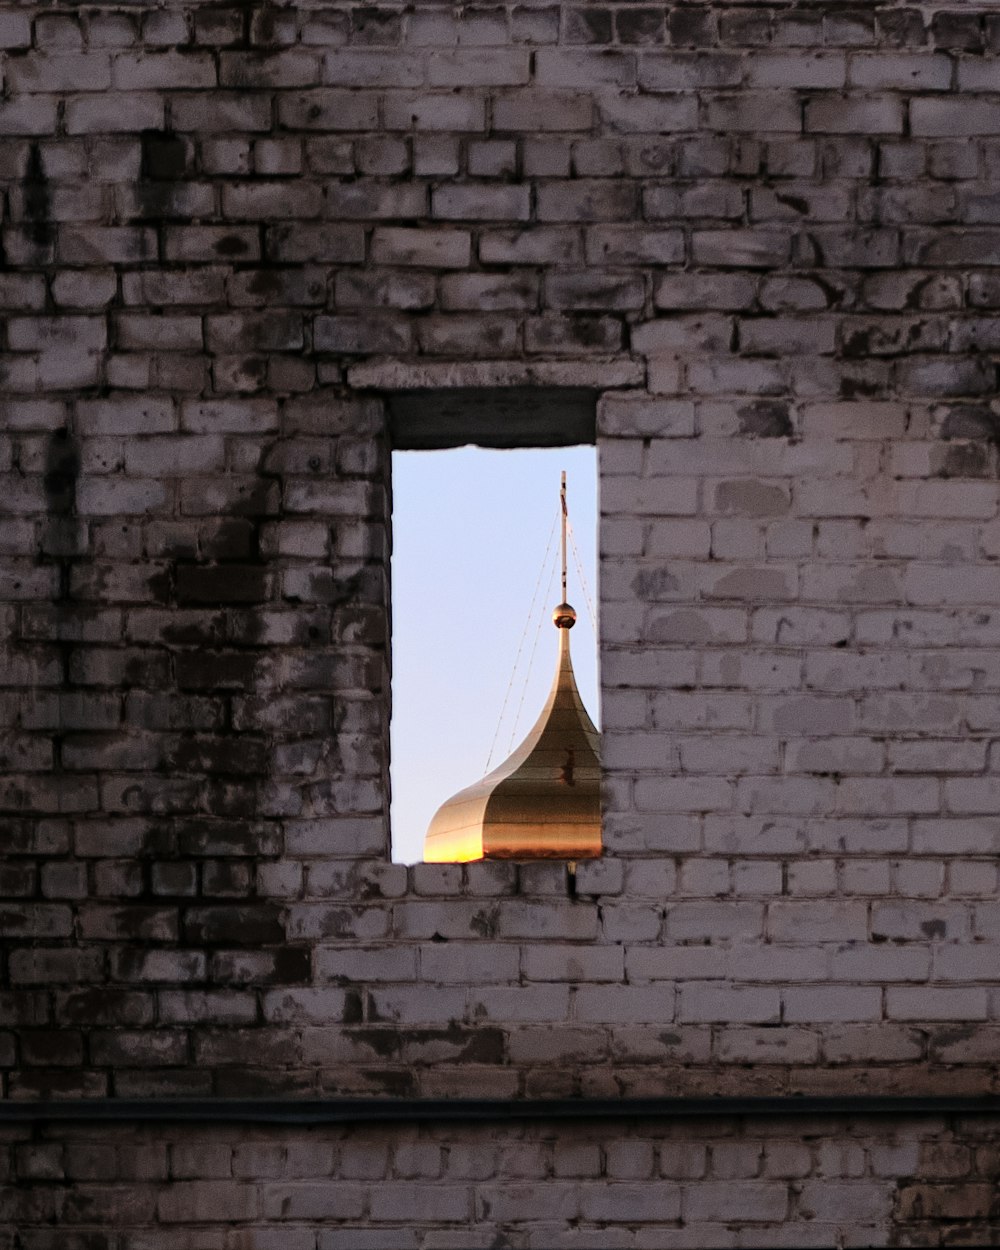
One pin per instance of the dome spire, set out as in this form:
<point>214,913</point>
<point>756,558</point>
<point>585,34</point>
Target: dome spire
<point>543,802</point>
<point>564,617</point>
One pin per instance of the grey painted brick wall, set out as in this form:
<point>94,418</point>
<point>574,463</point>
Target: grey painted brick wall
<point>715,1184</point>
<point>767,236</point>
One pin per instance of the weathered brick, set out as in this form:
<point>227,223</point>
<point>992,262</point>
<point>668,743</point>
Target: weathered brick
<point>449,249</point>
<point>587,200</point>
<point>543,111</point>
<point>207,1200</point>
<point>482,202</point>
<point>15,30</point>
<point>946,117</point>
<point>65,71</point>
<point>757,112</point>
<point>749,248</point>
<point>589,289</point>
<point>720,1201</point>
<point>435,112</point>
<point>158,70</point>
<point>114,114</point>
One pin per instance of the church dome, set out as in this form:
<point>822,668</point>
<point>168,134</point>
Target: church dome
<point>544,801</point>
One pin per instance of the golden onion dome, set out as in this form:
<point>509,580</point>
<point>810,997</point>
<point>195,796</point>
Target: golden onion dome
<point>544,801</point>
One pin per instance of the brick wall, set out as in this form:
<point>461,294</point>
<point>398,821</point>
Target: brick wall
<point>404,1187</point>
<point>768,238</point>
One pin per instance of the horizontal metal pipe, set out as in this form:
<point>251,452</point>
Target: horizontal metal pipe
<point>380,1110</point>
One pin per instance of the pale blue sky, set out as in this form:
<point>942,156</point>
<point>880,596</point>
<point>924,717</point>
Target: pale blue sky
<point>470,528</point>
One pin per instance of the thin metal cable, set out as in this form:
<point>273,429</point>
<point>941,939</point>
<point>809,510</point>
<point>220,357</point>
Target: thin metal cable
<point>520,645</point>
<point>583,580</point>
<point>531,661</point>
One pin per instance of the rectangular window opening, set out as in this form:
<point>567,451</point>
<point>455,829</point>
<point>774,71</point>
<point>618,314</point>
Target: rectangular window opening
<point>476,575</point>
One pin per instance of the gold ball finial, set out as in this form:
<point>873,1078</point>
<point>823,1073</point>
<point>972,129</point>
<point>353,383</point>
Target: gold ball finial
<point>564,617</point>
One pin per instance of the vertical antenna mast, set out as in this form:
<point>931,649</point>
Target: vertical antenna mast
<point>562,501</point>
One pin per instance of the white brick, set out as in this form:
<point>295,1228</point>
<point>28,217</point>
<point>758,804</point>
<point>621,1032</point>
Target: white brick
<point>117,113</point>
<point>626,1004</point>
<point>724,1201</point>
<point>819,1004</point>
<point>952,118</point>
<point>932,1003</point>
<point>573,963</point>
<point>817,921</point>
<point>728,1004</point>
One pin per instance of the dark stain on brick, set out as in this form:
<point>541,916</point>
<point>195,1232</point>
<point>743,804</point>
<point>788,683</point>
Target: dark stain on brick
<point>691,26</point>
<point>231,245</point>
<point>327,589</point>
<point>228,570</point>
<point>359,884</point>
<point>834,294</point>
<point>254,370</point>
<point>206,670</point>
<point>44,1047</point>
<point>485,923</point>
<point>857,345</point>
<point>371,25</point>
<point>62,471</point>
<point>37,200</point>
<point>241,924</point>
<point>358,625</point>
<point>206,630</point>
<point>59,481</point>
<point>257,1082</point>
<point>957,31</point>
<point>934,929</point>
<point>484,1046</point>
<point>227,837</point>
<point>640,25</point>
<point>353,1012</point>
<point>957,1033</point>
<point>232,798</point>
<point>796,202</point>
<point>264,281</point>
<point>746,27</point>
<point>164,166</point>
<point>588,25</point>
<point>914,298</point>
<point>468,1045</point>
<point>385,1043</point>
<point>901,28</point>
<point>765,418</point>
<point>654,583</point>
<point>238,754</point>
<point>396,1083</point>
<point>221,583</point>
<point>164,156</point>
<point>810,251</point>
<point>967,460</point>
<point>264,24</point>
<point>971,421</point>
<point>292,965</point>
<point>18,837</point>
<point>161,585</point>
<point>587,331</point>
<point>104,1005</point>
<point>857,386</point>
<point>233,539</point>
